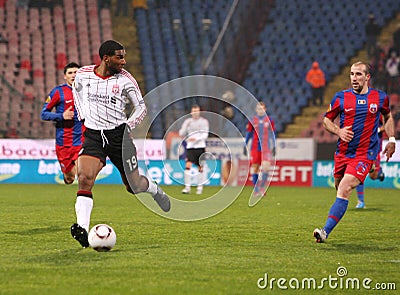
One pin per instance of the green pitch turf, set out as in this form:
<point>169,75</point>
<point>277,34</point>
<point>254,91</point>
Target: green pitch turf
<point>226,254</point>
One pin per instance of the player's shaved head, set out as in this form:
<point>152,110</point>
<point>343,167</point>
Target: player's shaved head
<point>367,67</point>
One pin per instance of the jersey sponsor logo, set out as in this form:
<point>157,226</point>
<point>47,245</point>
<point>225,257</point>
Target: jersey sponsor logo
<point>361,101</point>
<point>373,108</point>
<point>348,110</point>
<point>115,89</point>
<point>100,98</point>
<point>68,101</point>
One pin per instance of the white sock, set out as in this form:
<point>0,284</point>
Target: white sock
<point>187,177</point>
<point>200,179</point>
<point>152,189</point>
<point>83,209</point>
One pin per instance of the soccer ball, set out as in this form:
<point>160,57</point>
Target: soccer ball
<point>102,237</point>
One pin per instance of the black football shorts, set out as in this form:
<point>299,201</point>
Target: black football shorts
<point>113,144</point>
<point>193,155</point>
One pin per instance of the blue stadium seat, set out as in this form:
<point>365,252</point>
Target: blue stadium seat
<point>316,32</point>
<point>301,31</point>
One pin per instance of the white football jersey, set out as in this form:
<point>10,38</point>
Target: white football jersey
<point>195,132</point>
<point>101,101</point>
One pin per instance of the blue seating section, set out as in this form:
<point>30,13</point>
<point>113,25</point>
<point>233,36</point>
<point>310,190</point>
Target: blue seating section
<point>169,53</point>
<point>166,52</point>
<point>300,32</point>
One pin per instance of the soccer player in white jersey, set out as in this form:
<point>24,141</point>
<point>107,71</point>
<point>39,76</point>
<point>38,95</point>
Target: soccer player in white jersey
<point>195,131</point>
<point>101,93</point>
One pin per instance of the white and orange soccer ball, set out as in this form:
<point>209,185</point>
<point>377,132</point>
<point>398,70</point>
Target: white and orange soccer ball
<point>102,237</point>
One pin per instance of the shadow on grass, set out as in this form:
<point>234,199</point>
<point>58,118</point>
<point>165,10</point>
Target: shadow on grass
<point>357,248</point>
<point>74,256</point>
<point>36,231</point>
<point>366,210</point>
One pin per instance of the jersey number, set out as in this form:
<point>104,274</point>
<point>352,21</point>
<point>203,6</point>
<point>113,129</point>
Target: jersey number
<point>132,163</point>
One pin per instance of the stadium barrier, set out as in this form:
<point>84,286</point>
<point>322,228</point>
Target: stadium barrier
<point>36,149</point>
<point>170,172</point>
<point>34,161</point>
<point>323,177</point>
<point>164,172</point>
<point>298,149</point>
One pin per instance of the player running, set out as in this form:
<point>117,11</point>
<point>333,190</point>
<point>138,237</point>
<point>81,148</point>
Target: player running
<point>68,127</point>
<point>261,131</point>
<point>376,170</point>
<point>359,109</point>
<point>101,93</point>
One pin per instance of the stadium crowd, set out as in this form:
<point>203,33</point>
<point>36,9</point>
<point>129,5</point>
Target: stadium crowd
<point>385,66</point>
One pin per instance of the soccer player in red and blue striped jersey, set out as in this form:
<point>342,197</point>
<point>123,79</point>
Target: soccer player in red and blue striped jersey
<point>359,110</point>
<point>376,171</point>
<point>68,127</point>
<point>261,131</point>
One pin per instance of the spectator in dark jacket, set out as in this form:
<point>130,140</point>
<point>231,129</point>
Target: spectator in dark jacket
<point>372,31</point>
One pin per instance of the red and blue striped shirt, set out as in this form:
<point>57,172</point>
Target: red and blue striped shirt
<point>361,112</point>
<point>68,132</point>
<point>261,131</point>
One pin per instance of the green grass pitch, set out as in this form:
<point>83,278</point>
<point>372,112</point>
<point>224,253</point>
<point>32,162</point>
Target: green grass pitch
<point>226,254</point>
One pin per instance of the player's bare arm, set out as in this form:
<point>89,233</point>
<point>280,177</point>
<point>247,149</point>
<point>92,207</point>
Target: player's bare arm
<point>390,147</point>
<point>389,124</point>
<point>382,128</point>
<point>345,134</point>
